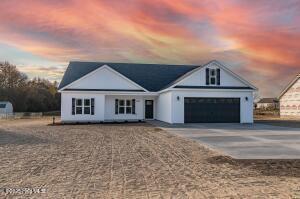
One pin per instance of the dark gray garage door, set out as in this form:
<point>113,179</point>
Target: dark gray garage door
<point>197,110</point>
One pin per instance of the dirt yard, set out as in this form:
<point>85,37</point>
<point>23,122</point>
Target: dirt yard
<point>130,161</point>
<point>293,122</point>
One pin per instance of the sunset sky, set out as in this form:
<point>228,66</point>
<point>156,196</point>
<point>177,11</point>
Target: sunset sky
<point>259,40</point>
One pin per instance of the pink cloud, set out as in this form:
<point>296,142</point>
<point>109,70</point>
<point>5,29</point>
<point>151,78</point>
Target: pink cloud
<point>261,39</point>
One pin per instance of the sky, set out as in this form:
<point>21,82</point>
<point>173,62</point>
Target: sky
<point>257,39</point>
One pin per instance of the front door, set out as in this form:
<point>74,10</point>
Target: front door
<point>148,109</point>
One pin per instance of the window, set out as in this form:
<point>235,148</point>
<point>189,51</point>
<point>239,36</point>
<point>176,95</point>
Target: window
<point>121,106</point>
<point>83,106</point>
<point>87,106</point>
<point>124,106</point>
<point>212,76</point>
<point>78,106</point>
<point>128,107</point>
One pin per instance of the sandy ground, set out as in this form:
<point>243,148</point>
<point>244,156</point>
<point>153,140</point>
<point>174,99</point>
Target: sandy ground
<point>130,161</point>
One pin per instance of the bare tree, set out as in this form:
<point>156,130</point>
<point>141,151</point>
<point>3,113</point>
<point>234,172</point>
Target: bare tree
<point>10,77</point>
<point>38,95</point>
<point>256,96</point>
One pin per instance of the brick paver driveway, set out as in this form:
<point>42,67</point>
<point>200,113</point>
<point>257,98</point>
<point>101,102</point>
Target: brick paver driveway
<point>130,161</point>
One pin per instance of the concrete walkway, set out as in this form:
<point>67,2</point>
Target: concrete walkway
<point>242,141</point>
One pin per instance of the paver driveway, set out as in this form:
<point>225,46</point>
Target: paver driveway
<point>243,141</point>
<point>130,161</point>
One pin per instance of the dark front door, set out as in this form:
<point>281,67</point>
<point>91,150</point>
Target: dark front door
<point>148,109</point>
<point>197,110</point>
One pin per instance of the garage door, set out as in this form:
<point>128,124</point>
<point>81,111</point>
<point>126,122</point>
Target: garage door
<point>197,110</point>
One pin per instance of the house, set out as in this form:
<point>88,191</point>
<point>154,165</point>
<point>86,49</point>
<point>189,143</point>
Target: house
<point>101,92</point>
<point>290,98</point>
<point>267,103</point>
<point>6,108</point>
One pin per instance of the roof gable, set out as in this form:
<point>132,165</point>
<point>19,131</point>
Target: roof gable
<point>104,78</point>
<point>197,78</point>
<point>296,79</point>
<point>152,77</point>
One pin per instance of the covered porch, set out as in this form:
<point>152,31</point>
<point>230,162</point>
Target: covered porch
<point>129,107</point>
<point>101,106</point>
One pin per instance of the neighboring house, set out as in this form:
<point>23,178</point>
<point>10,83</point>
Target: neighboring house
<point>100,92</point>
<point>6,108</point>
<point>290,99</point>
<point>266,103</point>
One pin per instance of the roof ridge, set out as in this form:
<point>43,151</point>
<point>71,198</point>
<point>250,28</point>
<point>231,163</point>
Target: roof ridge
<point>134,63</point>
<point>152,77</point>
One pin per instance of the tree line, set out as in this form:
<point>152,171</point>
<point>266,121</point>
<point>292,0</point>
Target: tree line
<point>27,95</point>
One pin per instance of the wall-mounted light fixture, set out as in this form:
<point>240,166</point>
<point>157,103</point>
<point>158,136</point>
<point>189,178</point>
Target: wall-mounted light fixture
<point>246,98</point>
<point>178,98</point>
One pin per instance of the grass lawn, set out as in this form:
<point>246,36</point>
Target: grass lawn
<point>131,161</point>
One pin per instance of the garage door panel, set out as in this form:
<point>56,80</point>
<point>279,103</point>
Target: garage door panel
<point>197,110</point>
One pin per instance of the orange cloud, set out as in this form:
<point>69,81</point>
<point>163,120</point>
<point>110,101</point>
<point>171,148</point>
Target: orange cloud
<point>255,37</point>
<point>53,73</point>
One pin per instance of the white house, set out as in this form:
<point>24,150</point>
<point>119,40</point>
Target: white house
<point>100,92</point>
<point>6,108</point>
<point>265,103</point>
<point>290,99</point>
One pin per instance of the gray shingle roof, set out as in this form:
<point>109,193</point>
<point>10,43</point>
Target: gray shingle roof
<point>268,100</point>
<point>152,77</point>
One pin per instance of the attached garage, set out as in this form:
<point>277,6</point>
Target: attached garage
<point>209,110</point>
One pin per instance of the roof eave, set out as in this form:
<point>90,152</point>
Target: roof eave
<point>289,86</point>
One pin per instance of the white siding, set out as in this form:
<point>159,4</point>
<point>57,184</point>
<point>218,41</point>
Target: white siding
<point>66,107</point>
<point>246,106</point>
<point>8,108</point>
<point>110,108</point>
<point>290,101</point>
<point>164,107</point>
<point>198,78</point>
<point>139,107</point>
<point>266,105</point>
<point>103,78</point>
<point>104,107</point>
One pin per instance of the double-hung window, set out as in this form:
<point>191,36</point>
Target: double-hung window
<point>78,106</point>
<point>128,107</point>
<point>87,106</point>
<point>125,106</point>
<point>84,106</point>
<point>212,76</point>
<point>121,106</point>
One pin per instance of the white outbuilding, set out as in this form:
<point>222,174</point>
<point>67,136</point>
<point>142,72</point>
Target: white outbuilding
<point>6,108</point>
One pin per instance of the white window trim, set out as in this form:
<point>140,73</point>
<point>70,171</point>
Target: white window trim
<point>83,106</point>
<point>125,106</point>
<point>212,76</point>
<point>76,105</point>
<point>89,106</point>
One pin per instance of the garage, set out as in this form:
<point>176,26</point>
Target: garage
<point>211,110</point>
